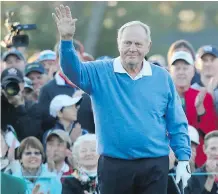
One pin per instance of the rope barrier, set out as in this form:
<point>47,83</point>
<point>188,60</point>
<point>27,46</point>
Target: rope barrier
<point>170,174</point>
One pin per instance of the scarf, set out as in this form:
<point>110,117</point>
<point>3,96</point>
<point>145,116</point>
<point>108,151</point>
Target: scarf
<point>87,180</point>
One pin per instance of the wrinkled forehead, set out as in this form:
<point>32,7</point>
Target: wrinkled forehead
<point>134,33</point>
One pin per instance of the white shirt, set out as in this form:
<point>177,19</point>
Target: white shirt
<point>145,71</point>
<point>65,168</point>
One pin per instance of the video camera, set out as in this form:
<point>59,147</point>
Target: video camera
<point>14,38</point>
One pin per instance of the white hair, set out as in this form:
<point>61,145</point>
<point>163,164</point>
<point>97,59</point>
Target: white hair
<point>77,144</point>
<point>133,23</point>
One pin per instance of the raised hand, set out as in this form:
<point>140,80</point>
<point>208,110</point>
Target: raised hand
<point>65,23</point>
<point>11,151</point>
<point>199,101</point>
<point>76,132</point>
<point>36,190</point>
<point>78,93</point>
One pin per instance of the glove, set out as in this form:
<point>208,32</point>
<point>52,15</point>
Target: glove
<point>183,172</point>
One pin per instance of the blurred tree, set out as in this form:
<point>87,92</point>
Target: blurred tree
<point>169,21</point>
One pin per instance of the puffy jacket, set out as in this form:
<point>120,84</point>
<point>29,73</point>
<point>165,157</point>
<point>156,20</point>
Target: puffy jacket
<point>204,123</point>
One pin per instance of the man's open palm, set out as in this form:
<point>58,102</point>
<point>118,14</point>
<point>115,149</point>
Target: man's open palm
<point>65,22</point>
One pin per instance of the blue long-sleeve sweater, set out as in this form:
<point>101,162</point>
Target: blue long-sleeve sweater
<point>133,118</point>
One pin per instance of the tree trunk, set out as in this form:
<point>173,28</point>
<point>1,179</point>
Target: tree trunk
<point>95,25</point>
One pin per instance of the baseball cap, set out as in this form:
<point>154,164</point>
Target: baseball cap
<point>207,49</point>
<point>34,67</point>
<point>12,52</point>
<point>12,73</point>
<point>46,55</point>
<point>63,135</point>
<point>28,83</point>
<point>193,134</point>
<point>182,55</point>
<point>60,101</point>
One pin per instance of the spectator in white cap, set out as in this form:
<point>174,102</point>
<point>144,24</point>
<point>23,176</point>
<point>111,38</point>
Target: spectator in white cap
<point>64,109</point>
<point>194,137</point>
<point>57,151</point>
<point>198,105</point>
<point>48,59</point>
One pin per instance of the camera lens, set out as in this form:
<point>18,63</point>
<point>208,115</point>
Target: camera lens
<point>12,88</point>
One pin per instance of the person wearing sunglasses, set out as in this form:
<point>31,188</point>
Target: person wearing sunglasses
<point>31,156</point>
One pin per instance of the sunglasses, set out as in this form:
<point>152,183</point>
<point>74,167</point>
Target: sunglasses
<point>30,153</point>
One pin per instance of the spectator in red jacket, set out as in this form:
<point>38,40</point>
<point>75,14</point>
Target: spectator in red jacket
<point>198,105</point>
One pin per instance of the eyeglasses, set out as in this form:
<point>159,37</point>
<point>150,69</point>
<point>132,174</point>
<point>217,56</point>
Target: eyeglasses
<point>30,153</point>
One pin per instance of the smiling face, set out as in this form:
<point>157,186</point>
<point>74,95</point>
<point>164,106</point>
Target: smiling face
<point>133,45</point>
<point>211,148</point>
<point>87,155</point>
<point>37,79</point>
<point>31,158</point>
<point>182,73</point>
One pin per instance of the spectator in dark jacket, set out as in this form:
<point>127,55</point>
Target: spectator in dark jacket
<point>25,116</point>
<point>37,74</point>
<point>206,184</point>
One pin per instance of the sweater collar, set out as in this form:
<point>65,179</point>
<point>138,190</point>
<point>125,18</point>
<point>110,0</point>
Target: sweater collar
<point>145,71</point>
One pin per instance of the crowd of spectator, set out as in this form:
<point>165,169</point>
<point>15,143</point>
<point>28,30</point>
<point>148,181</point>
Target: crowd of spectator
<point>48,132</point>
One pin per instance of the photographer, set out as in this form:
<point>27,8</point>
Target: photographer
<point>23,115</point>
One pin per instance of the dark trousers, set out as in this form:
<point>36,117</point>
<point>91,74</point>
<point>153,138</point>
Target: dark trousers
<point>141,176</point>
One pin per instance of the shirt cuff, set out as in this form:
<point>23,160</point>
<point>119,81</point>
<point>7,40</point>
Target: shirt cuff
<point>66,44</point>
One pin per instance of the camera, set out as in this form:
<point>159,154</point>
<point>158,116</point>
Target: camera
<point>14,38</point>
<point>11,87</point>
